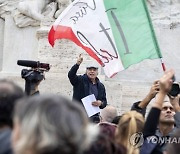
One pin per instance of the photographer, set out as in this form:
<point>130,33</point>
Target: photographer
<point>35,89</point>
<point>33,76</point>
<point>164,116</point>
<point>32,81</point>
<point>163,119</point>
<point>140,106</point>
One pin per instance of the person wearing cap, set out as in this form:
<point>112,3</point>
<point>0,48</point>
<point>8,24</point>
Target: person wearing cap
<point>87,84</point>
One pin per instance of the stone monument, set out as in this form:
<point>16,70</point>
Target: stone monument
<point>24,27</point>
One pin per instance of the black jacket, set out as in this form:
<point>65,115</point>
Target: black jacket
<point>138,109</point>
<point>81,86</point>
<point>151,133</point>
<point>5,141</point>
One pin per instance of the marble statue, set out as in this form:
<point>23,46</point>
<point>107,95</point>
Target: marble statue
<point>33,8</point>
<point>62,4</point>
<point>32,12</point>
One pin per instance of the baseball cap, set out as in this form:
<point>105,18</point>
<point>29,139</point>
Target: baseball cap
<point>91,65</point>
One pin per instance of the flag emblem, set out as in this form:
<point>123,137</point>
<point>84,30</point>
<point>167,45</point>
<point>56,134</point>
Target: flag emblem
<point>116,33</point>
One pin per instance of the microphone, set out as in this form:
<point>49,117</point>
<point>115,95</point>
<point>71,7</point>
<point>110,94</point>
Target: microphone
<point>33,64</point>
<point>44,65</point>
<point>28,63</point>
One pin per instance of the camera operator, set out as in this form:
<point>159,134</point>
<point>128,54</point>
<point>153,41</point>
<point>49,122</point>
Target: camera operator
<point>33,76</point>
<point>34,90</point>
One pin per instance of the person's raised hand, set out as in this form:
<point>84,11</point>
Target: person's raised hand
<point>154,89</point>
<point>80,59</point>
<point>166,81</point>
<point>165,84</point>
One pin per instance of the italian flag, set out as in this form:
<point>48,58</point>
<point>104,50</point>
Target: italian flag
<point>116,33</point>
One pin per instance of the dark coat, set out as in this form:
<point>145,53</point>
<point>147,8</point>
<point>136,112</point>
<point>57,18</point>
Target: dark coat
<point>138,109</point>
<point>5,141</point>
<point>151,131</point>
<point>81,86</point>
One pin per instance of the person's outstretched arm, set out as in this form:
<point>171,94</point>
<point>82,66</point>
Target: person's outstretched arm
<point>165,84</point>
<point>141,105</point>
<point>72,74</point>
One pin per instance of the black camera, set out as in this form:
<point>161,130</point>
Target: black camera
<point>34,75</point>
<point>34,64</point>
<point>175,90</point>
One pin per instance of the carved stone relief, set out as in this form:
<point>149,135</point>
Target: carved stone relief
<point>32,12</point>
<point>165,13</point>
<point>61,5</point>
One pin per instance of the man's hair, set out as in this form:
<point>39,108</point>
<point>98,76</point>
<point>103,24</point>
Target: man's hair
<point>104,143</point>
<point>108,113</point>
<point>9,93</point>
<point>51,124</point>
<point>116,119</point>
<point>108,129</point>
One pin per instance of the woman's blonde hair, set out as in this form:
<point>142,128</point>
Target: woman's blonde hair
<point>130,123</point>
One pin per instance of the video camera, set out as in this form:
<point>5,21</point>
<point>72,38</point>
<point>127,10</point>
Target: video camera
<point>34,75</point>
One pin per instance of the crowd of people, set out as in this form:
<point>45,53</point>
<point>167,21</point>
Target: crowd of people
<point>54,124</point>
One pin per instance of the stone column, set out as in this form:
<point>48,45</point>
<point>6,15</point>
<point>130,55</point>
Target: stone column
<point>1,41</point>
<point>19,43</point>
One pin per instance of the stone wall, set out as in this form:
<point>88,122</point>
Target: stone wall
<point>19,43</point>
<point>128,86</point>
<point>1,41</point>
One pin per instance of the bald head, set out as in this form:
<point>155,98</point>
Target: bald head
<point>108,113</point>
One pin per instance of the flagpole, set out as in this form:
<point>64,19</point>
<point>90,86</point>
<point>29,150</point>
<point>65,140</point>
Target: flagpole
<point>163,65</point>
<point>154,36</point>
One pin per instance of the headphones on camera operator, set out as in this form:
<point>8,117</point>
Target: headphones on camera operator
<point>34,75</point>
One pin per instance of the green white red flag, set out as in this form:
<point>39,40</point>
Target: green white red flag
<point>116,33</point>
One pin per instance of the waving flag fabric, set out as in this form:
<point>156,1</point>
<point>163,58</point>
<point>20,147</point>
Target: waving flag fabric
<point>117,33</point>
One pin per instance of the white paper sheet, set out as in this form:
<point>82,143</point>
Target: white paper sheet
<point>90,109</point>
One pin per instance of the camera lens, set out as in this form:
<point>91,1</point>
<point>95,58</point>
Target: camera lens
<point>175,90</point>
